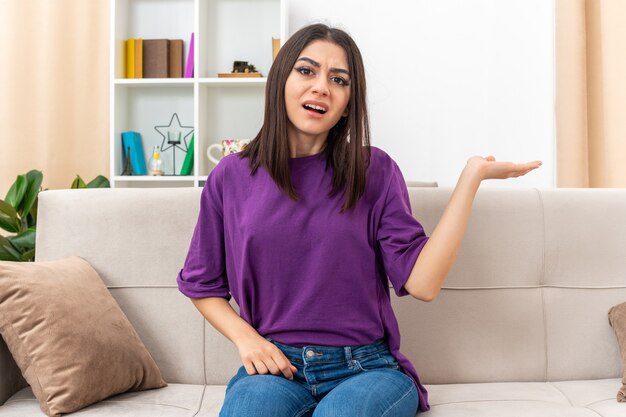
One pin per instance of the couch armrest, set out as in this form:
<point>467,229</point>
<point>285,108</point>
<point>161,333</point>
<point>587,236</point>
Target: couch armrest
<point>11,380</point>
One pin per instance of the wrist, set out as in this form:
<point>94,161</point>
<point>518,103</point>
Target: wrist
<point>244,334</point>
<point>473,174</point>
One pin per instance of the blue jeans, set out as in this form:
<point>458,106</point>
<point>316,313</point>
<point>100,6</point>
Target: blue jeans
<point>357,381</point>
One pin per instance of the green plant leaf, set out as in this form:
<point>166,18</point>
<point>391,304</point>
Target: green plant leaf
<point>6,256</point>
<point>34,179</point>
<point>8,224</point>
<point>9,220</point>
<point>78,183</point>
<point>28,256</point>
<point>8,209</point>
<point>99,182</point>
<point>31,219</point>
<point>16,192</point>
<point>7,251</point>
<point>24,241</point>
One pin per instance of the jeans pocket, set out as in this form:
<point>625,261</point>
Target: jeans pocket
<point>391,361</point>
<point>377,361</point>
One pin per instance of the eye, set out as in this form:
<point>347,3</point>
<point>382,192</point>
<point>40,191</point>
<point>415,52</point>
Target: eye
<point>340,81</point>
<point>304,70</point>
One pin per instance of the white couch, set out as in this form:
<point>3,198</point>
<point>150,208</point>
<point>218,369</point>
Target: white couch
<point>520,328</point>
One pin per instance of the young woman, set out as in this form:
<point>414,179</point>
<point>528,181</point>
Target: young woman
<point>305,228</point>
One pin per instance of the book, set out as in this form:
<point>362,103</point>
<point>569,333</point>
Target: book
<point>188,163</point>
<point>138,58</point>
<point>155,58</point>
<point>189,67</point>
<point>131,142</point>
<point>175,58</point>
<point>130,58</point>
<point>275,47</point>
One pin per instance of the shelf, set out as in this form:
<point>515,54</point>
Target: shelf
<point>155,178</point>
<point>209,82</point>
<point>151,82</point>
<point>177,82</point>
<point>217,108</point>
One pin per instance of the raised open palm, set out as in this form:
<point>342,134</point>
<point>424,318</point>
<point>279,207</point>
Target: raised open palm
<point>489,168</point>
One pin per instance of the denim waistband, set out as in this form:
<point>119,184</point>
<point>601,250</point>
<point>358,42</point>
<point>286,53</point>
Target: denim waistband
<point>313,353</point>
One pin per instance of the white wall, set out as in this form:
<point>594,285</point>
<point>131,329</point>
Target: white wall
<point>449,79</point>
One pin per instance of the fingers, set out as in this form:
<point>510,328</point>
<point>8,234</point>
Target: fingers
<point>502,170</point>
<point>523,171</point>
<point>250,369</point>
<point>279,364</point>
<point>534,164</point>
<point>531,165</point>
<point>283,365</point>
<point>270,360</point>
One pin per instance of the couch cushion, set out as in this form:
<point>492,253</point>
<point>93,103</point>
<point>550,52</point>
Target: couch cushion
<point>526,399</point>
<point>475,344</point>
<point>175,400</point>
<point>531,262</point>
<point>504,399</point>
<point>212,401</point>
<point>580,342</point>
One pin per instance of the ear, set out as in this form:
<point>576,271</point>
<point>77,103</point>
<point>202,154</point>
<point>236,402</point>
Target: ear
<point>345,113</point>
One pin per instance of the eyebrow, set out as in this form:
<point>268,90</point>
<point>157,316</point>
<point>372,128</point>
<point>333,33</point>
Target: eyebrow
<point>317,64</point>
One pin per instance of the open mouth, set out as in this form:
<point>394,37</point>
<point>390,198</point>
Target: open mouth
<point>313,107</point>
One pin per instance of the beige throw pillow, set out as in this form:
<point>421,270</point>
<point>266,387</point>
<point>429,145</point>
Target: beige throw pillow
<point>617,319</point>
<point>69,337</point>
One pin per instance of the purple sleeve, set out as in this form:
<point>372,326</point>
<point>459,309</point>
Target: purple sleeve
<point>204,271</point>
<point>400,236</point>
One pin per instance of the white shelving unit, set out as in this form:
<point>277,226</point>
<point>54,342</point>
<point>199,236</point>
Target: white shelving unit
<point>217,108</point>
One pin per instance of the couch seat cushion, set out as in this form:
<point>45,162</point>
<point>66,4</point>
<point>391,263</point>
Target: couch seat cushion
<point>515,399</point>
<point>532,399</point>
<point>176,400</point>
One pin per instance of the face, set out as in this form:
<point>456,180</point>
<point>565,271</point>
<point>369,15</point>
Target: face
<point>317,91</point>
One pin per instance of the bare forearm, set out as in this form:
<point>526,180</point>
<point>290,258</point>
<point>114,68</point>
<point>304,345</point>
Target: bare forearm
<point>439,253</point>
<point>220,314</point>
<point>257,354</point>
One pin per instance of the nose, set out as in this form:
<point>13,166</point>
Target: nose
<point>321,86</point>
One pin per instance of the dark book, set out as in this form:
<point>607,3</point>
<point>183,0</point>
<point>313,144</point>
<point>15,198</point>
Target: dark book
<point>175,58</point>
<point>155,58</point>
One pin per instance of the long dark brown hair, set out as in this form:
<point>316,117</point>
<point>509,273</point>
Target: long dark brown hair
<point>347,147</point>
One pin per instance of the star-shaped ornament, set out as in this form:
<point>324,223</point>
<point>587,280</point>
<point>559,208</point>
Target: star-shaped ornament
<point>175,134</point>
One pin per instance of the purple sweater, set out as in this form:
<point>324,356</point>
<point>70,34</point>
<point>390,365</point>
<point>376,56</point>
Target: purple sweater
<point>300,272</point>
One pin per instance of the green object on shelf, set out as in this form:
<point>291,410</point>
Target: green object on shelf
<point>188,163</point>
